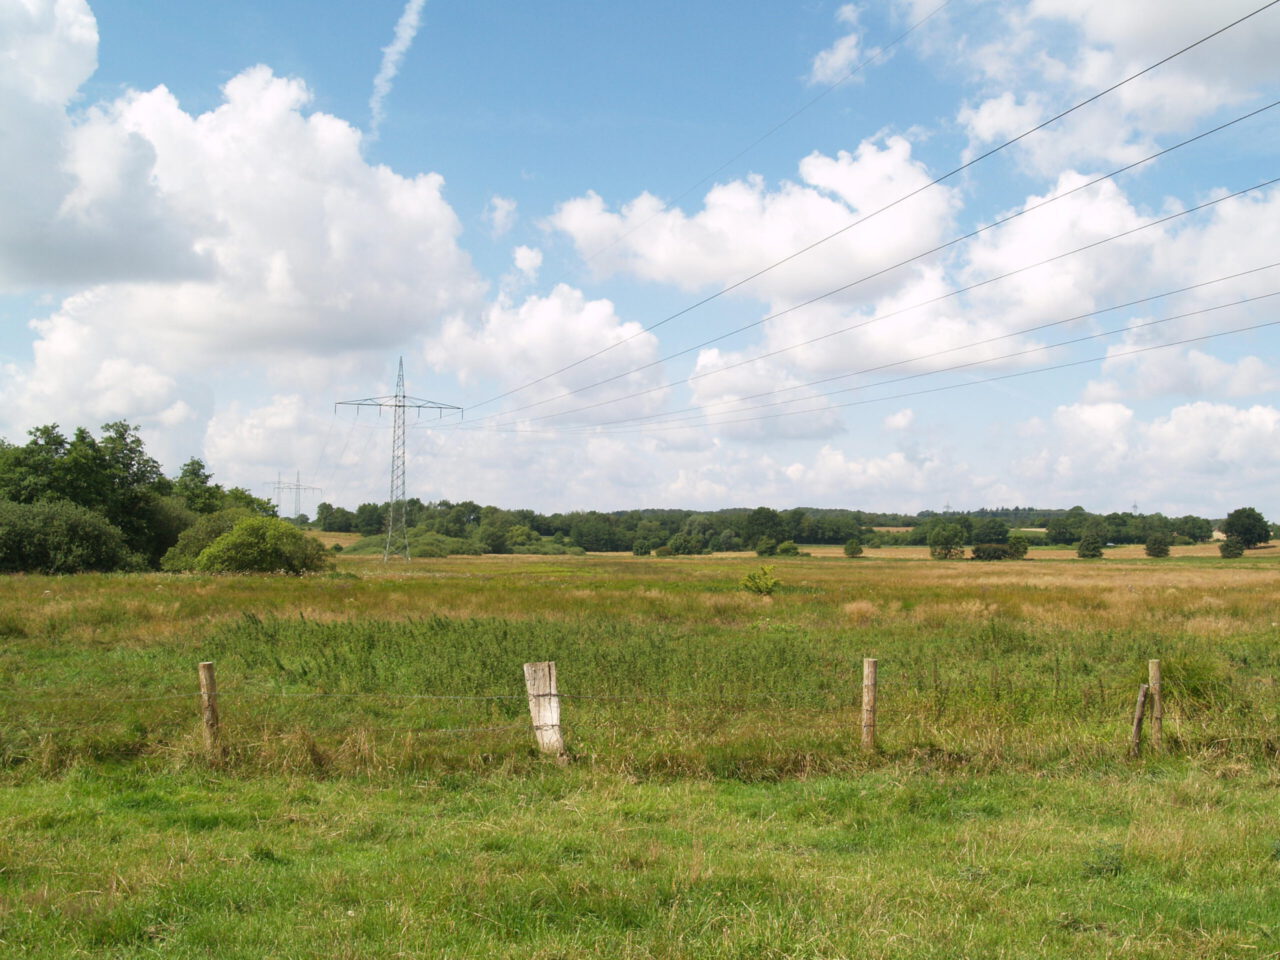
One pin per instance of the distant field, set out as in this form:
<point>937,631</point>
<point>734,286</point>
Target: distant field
<point>717,803</point>
<point>329,539</point>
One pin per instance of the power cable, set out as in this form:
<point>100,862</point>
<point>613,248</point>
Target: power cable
<point>876,57</point>
<point>875,213</point>
<point>973,383</point>
<point>938,353</point>
<point>969,363</point>
<point>932,300</point>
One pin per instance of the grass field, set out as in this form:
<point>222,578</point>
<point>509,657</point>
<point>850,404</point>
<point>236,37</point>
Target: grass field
<point>716,804</point>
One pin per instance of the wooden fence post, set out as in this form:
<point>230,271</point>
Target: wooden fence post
<point>1157,704</point>
<point>869,704</point>
<point>544,706</point>
<point>209,708</point>
<point>1135,740</point>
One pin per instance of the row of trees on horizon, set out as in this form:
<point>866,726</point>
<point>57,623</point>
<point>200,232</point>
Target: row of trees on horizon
<point>495,530</point>
<point>102,503</point>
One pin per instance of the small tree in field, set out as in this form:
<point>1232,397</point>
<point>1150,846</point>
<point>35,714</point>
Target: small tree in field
<point>1089,547</point>
<point>1231,548</point>
<point>853,548</point>
<point>1018,546</point>
<point>1247,526</point>
<point>946,542</point>
<point>1158,544</point>
<point>761,582</point>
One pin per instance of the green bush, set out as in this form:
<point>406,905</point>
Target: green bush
<point>994,551</point>
<point>1231,548</point>
<point>761,582</point>
<point>664,551</point>
<point>193,540</point>
<point>853,548</point>
<point>788,548</point>
<point>59,537</point>
<point>1018,546</point>
<point>1089,547</point>
<point>1158,545</point>
<point>263,545</point>
<point>766,547</point>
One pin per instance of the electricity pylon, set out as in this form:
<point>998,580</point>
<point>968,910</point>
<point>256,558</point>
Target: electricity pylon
<point>280,486</point>
<point>397,528</point>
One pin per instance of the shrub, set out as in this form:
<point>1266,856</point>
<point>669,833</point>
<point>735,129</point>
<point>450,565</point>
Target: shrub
<point>853,548</point>
<point>1089,547</point>
<point>1158,545</point>
<point>1018,546</point>
<point>1231,548</point>
<point>788,548</point>
<point>686,544</point>
<point>642,548</point>
<point>993,551</point>
<point>263,545</point>
<point>766,547</point>
<point>664,551</point>
<point>193,540</point>
<point>59,537</point>
<point>761,582</point>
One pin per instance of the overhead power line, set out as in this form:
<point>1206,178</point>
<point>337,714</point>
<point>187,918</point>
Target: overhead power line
<point>939,353</point>
<point>952,293</point>
<point>660,428</point>
<point>874,58</point>
<point>958,366</point>
<point>886,207</point>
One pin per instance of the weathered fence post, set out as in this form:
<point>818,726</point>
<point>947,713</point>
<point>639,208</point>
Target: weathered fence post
<point>869,704</point>
<point>544,706</point>
<point>1157,704</point>
<point>209,708</point>
<point>1135,740</point>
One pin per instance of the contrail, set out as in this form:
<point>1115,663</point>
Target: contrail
<point>392,55</point>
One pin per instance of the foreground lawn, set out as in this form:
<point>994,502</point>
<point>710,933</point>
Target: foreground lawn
<point>1170,861</point>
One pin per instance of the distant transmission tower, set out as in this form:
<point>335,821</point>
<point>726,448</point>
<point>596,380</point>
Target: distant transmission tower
<point>397,529</point>
<point>280,486</point>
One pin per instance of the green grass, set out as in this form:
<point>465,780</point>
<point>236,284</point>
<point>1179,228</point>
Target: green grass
<point>1175,863</point>
<point>717,803</point>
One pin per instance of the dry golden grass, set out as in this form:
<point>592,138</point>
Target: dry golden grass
<point>329,539</point>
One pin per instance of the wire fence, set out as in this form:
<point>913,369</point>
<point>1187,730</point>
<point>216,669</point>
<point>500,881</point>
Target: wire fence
<point>915,708</point>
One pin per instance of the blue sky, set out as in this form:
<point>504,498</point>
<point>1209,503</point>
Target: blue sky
<point>207,236</point>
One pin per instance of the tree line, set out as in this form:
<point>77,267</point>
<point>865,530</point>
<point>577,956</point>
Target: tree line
<point>101,503</point>
<point>468,527</point>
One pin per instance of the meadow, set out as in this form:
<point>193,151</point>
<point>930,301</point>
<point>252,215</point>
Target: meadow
<point>379,793</point>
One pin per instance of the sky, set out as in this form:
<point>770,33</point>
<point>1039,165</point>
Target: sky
<point>662,255</point>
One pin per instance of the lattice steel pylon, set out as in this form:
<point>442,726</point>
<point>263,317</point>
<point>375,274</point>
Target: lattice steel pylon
<point>297,486</point>
<point>397,528</point>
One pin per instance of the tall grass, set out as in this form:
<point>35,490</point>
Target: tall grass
<point>666,666</point>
